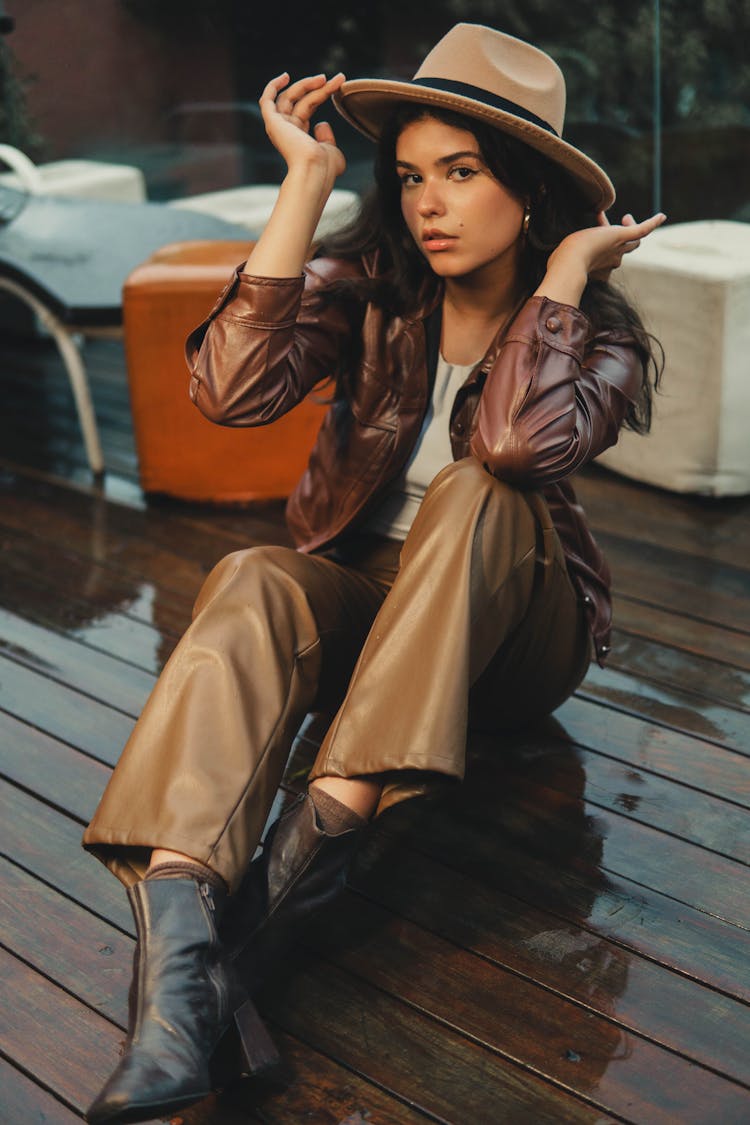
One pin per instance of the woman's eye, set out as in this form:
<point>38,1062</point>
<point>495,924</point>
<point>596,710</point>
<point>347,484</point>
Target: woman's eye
<point>408,179</point>
<point>462,172</point>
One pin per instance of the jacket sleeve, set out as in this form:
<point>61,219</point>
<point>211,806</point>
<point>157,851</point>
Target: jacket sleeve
<point>266,343</point>
<point>554,397</point>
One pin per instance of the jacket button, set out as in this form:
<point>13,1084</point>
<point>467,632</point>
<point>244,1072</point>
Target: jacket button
<point>553,324</point>
<point>458,427</point>
<point>605,649</point>
<point>587,599</point>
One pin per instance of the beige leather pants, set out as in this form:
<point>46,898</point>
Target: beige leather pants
<point>479,623</point>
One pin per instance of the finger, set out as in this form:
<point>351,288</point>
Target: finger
<point>298,90</point>
<point>272,89</point>
<point>648,225</point>
<point>629,247</point>
<point>602,220</point>
<point>628,220</point>
<point>324,133</point>
<point>306,106</point>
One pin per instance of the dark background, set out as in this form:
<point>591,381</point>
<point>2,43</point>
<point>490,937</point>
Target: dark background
<point>172,85</point>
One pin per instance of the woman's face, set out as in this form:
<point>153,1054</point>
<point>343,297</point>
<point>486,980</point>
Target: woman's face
<point>462,219</point>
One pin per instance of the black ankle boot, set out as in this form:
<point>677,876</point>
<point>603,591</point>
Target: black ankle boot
<point>301,869</point>
<point>185,1006</point>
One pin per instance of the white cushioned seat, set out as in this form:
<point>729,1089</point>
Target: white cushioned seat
<point>84,179</point>
<point>251,206</point>
<point>691,283</point>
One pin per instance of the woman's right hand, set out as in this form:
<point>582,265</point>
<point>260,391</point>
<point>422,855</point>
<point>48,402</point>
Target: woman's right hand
<point>287,110</point>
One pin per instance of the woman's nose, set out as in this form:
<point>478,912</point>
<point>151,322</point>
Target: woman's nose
<point>430,201</point>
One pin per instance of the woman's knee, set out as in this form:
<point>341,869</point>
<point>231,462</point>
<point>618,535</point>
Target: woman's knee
<point>465,500</point>
<point>463,481</point>
<point>241,574</point>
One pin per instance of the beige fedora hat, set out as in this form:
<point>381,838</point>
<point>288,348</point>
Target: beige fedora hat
<point>491,76</point>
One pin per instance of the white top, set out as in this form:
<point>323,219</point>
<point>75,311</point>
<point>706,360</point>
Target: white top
<point>431,453</point>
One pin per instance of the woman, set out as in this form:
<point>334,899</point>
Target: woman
<point>444,573</point>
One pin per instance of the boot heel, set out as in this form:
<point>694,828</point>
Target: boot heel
<point>260,1059</point>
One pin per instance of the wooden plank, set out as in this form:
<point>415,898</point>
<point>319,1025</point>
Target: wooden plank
<point>66,714</point>
<point>203,536</point>
<point>671,807</point>
<point>557,870</point>
<point>62,940</point>
<point>568,957</point>
<point>686,671</point>
<point>523,1022</point>
<point>671,707</point>
<point>411,1055</point>
<point>718,530</point>
<point>106,631</point>
<point>66,1047</point>
<point>670,579</point>
<point>692,875</point>
<point>33,576</point>
<point>48,845</point>
<point>24,1103</point>
<point>51,770</point>
<point>657,749</point>
<point>320,1092</point>
<point>114,544</point>
<point>672,628</point>
<point>554,866</point>
<point>65,660</point>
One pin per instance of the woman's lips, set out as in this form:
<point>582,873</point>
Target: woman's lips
<point>436,240</point>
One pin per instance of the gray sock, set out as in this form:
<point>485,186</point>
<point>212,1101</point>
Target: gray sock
<point>180,869</point>
<point>333,816</point>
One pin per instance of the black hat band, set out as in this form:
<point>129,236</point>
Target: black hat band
<point>466,90</point>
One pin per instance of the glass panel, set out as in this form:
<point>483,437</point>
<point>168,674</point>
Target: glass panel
<point>660,94</point>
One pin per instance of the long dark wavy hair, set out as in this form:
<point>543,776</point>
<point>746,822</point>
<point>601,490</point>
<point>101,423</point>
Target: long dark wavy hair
<point>557,208</point>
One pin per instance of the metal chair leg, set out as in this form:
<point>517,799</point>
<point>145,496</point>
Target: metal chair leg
<point>74,366</point>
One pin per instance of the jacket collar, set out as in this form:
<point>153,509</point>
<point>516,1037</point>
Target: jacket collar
<point>429,301</point>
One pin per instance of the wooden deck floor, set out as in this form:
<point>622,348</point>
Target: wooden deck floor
<point>565,940</point>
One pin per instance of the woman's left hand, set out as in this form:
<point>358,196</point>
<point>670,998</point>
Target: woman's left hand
<point>591,255</point>
<point>599,250</point>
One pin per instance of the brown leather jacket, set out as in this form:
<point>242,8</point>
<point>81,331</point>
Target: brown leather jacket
<point>546,398</point>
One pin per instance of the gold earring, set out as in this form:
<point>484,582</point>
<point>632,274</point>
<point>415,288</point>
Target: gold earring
<point>526,219</point>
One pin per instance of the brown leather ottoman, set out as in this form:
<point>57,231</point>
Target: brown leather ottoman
<point>180,453</point>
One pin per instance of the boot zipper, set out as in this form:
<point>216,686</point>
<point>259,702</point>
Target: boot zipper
<point>215,974</point>
<point>208,899</point>
<point>141,924</point>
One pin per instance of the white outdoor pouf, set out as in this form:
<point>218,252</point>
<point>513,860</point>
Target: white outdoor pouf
<point>85,179</point>
<point>251,206</point>
<point>691,284</point>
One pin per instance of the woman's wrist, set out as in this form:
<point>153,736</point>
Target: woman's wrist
<point>284,245</point>
<point>563,283</point>
<point>310,182</point>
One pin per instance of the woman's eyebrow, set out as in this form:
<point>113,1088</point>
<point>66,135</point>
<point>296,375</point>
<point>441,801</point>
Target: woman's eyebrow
<point>445,159</point>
